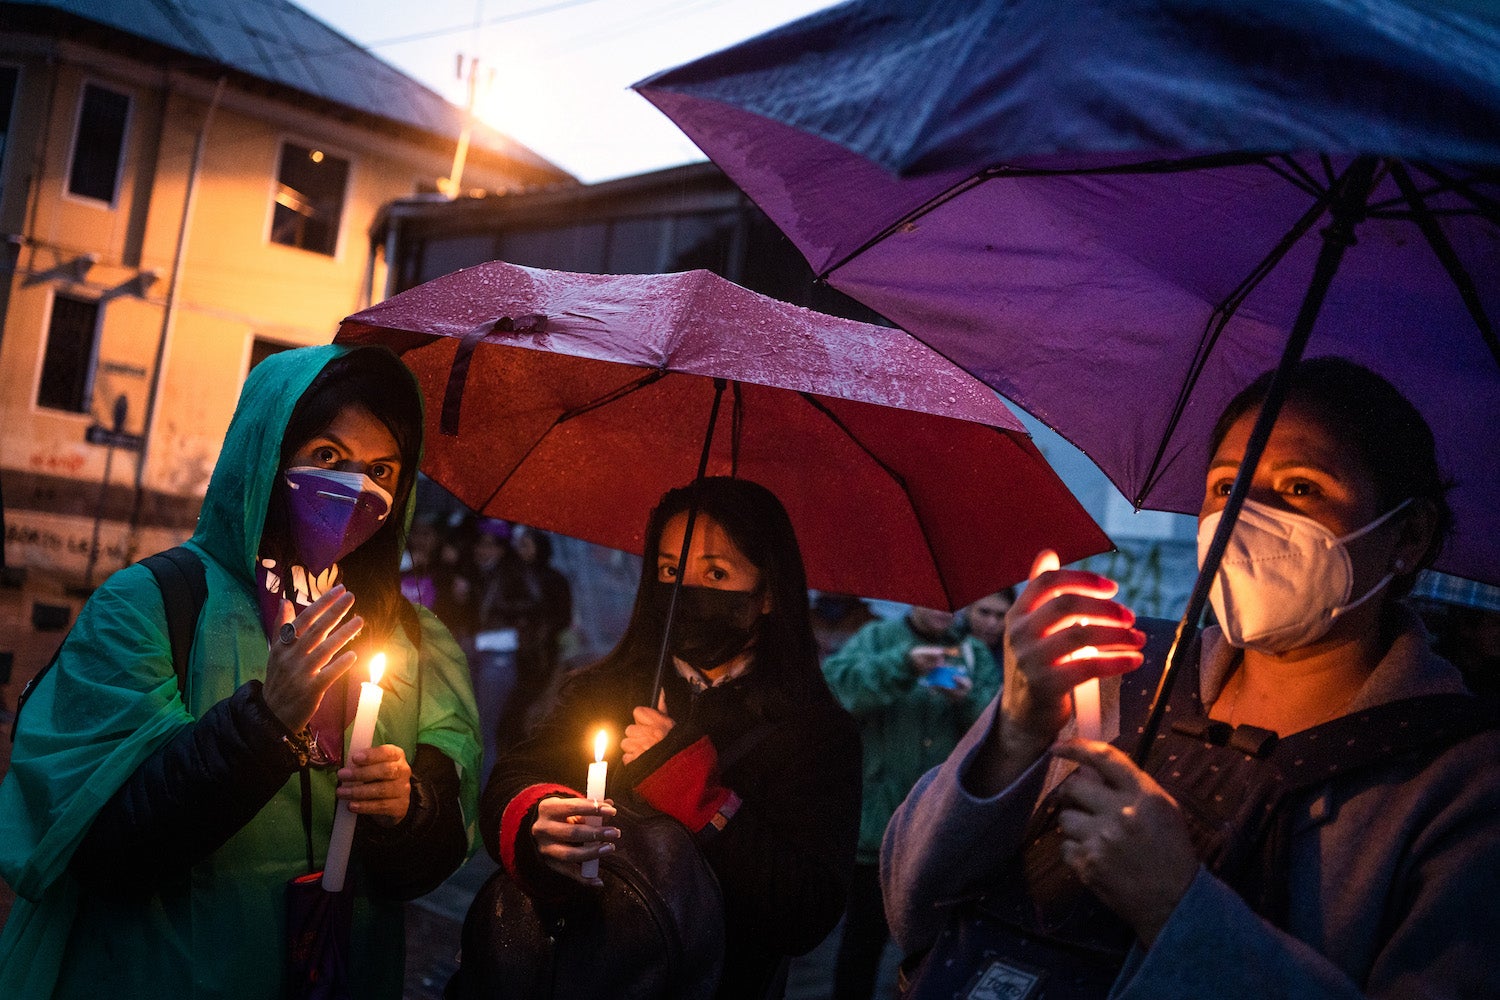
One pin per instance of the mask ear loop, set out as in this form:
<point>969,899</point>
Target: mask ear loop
<point>1389,576</point>
<point>1361,532</point>
<point>1379,586</point>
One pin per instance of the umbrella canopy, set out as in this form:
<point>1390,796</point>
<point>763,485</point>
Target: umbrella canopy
<point>574,401</point>
<point>1113,212</point>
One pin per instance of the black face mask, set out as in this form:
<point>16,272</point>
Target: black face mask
<point>711,627</point>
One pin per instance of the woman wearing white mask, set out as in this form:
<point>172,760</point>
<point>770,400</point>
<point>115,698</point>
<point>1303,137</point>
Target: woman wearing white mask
<point>1320,815</point>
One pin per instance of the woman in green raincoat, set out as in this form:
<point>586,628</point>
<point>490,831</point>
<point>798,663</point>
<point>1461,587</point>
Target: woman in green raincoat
<point>151,833</point>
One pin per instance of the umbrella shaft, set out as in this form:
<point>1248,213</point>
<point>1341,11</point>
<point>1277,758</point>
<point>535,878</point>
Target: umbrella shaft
<point>1347,209</point>
<point>687,541</point>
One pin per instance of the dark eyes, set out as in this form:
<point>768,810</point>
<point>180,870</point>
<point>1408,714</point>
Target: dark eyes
<point>325,455</point>
<point>380,471</point>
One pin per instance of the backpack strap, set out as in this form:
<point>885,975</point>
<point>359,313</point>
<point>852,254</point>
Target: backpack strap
<point>184,589</point>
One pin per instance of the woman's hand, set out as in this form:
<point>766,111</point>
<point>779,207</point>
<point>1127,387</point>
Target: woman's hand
<point>1063,629</point>
<point>298,673</point>
<point>650,727</point>
<point>565,841</point>
<point>1124,836</point>
<point>377,782</point>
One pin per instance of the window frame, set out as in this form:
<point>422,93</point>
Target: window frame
<point>282,145</point>
<point>86,401</point>
<point>8,115</point>
<point>125,131</point>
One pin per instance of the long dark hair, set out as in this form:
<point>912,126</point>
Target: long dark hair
<point>785,659</point>
<point>1389,437</point>
<point>374,378</point>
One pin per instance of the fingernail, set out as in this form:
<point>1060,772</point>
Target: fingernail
<point>606,848</point>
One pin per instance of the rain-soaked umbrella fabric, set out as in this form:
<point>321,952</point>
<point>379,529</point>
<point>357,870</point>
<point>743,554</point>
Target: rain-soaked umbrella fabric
<point>1110,212</point>
<point>572,402</point>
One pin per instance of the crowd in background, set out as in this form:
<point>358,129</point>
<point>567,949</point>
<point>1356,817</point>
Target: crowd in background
<point>493,584</point>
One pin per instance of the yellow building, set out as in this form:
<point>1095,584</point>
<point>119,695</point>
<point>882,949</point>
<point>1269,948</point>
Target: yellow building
<point>184,188</point>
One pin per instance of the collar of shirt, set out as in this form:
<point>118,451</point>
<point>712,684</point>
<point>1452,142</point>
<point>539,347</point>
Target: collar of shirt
<point>700,683</point>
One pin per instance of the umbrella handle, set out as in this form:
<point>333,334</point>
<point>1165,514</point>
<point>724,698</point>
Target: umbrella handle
<point>687,541</point>
<point>1347,209</point>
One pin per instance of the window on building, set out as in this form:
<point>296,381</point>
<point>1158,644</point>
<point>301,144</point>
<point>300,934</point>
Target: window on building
<point>8,77</point>
<point>310,188</point>
<point>68,364</point>
<point>261,349</point>
<point>100,144</point>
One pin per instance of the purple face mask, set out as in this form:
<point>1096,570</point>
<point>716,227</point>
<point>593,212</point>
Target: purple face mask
<point>332,513</point>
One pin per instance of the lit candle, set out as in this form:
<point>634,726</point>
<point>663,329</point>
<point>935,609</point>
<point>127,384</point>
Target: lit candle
<point>590,869</point>
<point>363,734</point>
<point>1086,710</point>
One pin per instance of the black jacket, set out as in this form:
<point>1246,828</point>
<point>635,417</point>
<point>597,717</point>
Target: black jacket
<point>783,860</point>
<point>205,783</point>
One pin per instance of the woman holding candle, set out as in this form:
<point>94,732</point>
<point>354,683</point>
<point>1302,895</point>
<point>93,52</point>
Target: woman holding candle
<point>1320,816</point>
<point>778,822</point>
<point>151,832</point>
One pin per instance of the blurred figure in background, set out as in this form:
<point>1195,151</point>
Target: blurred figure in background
<point>492,659</point>
<point>535,599</point>
<point>429,580</point>
<point>835,618</point>
<point>914,686</point>
<point>985,620</point>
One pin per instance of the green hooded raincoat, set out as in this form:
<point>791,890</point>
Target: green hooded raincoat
<point>112,699</point>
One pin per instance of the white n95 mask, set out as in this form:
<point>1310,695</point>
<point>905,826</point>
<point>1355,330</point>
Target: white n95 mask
<point>1284,578</point>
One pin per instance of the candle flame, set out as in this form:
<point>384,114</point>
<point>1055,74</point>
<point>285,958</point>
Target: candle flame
<point>601,745</point>
<point>377,667</point>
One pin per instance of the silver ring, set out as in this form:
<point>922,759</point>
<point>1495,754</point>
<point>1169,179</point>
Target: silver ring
<point>288,634</point>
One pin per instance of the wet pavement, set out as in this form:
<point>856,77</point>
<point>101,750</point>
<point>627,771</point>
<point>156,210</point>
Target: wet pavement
<point>434,921</point>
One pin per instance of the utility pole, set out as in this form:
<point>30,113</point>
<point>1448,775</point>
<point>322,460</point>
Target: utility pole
<point>451,185</point>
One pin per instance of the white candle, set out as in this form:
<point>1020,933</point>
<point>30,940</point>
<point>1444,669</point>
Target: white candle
<point>363,734</point>
<point>590,869</point>
<point>1086,709</point>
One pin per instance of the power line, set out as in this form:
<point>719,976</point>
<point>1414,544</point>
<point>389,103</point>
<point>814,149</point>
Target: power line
<point>431,33</point>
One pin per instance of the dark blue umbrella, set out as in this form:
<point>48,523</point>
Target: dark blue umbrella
<point>1117,213</point>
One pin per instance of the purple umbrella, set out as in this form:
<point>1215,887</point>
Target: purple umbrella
<point>1118,215</point>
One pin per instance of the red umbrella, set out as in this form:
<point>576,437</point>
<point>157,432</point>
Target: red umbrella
<point>573,401</point>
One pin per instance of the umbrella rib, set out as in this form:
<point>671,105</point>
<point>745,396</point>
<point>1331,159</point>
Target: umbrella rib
<point>1435,187</point>
<point>895,477</point>
<point>1292,172</point>
<point>1485,205</point>
<point>736,429</point>
<point>1217,322</point>
<point>1007,172</point>
<point>1438,240</point>
<point>612,396</point>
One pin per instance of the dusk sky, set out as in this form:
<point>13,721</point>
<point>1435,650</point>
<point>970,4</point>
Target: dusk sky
<point>562,68</point>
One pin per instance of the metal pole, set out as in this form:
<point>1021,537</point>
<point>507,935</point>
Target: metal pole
<point>122,409</point>
<point>168,312</point>
<point>1347,209</point>
<point>687,540</point>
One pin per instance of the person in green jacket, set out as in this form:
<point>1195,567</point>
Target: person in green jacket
<point>914,685</point>
<point>151,834</point>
